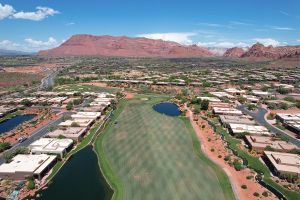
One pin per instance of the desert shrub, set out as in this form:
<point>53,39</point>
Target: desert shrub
<point>31,183</point>
<point>256,194</point>
<point>227,158</point>
<point>265,194</point>
<point>237,165</point>
<point>244,187</point>
<point>4,146</point>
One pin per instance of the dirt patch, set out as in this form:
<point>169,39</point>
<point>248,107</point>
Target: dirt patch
<point>31,69</point>
<point>129,95</point>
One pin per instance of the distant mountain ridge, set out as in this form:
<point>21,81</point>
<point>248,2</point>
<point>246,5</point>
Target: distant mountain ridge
<point>86,45</point>
<point>4,52</point>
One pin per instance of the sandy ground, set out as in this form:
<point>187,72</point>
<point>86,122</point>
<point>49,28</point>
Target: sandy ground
<point>31,69</point>
<point>129,95</point>
<point>237,178</point>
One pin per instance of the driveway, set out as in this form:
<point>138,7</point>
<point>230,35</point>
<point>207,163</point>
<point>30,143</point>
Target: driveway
<point>259,116</point>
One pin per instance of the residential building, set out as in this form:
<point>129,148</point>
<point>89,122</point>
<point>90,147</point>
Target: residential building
<point>24,166</point>
<point>259,143</point>
<point>283,163</point>
<point>74,133</point>
<point>226,111</point>
<point>51,146</point>
<point>241,119</point>
<point>251,129</point>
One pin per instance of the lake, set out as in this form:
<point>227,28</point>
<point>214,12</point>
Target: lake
<point>12,123</point>
<point>170,109</point>
<point>80,178</point>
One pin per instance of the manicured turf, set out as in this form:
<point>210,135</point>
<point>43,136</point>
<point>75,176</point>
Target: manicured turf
<point>147,155</point>
<point>83,88</point>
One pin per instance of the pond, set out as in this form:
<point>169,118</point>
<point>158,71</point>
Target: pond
<point>12,123</point>
<point>80,178</point>
<point>170,109</point>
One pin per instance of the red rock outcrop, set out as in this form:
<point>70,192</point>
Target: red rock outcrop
<point>81,45</point>
<point>234,52</point>
<point>260,51</point>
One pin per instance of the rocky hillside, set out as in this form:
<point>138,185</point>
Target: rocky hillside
<point>234,52</point>
<point>259,51</point>
<point>81,45</point>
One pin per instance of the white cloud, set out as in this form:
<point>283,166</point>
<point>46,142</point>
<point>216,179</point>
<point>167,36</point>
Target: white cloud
<point>223,44</point>
<point>240,23</point>
<point>284,13</point>
<point>298,40</point>
<point>182,38</point>
<point>70,23</point>
<point>40,14</point>
<point>8,45</point>
<point>51,42</point>
<point>279,28</point>
<point>6,11</point>
<point>268,41</point>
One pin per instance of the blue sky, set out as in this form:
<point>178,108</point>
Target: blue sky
<point>31,25</point>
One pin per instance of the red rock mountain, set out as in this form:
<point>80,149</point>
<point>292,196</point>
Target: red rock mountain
<point>79,45</point>
<point>259,51</point>
<point>234,52</point>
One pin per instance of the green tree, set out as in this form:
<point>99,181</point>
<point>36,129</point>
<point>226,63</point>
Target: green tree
<point>75,124</point>
<point>204,104</point>
<point>69,106</point>
<point>282,90</point>
<point>4,146</point>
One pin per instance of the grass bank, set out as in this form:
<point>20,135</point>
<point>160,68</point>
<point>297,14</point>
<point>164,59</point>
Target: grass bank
<point>104,165</point>
<point>10,115</point>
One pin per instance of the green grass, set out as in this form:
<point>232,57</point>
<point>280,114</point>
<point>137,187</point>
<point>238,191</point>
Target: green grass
<point>83,88</point>
<point>9,116</point>
<point>147,155</point>
<point>255,164</point>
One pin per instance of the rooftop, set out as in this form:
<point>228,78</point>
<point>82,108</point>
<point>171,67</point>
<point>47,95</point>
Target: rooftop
<point>243,119</point>
<point>252,129</point>
<point>50,145</point>
<point>231,111</point>
<point>27,163</point>
<point>285,162</point>
<point>262,142</point>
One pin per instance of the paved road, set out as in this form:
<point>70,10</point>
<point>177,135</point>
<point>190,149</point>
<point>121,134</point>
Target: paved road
<point>259,116</point>
<point>36,135</point>
<point>48,81</point>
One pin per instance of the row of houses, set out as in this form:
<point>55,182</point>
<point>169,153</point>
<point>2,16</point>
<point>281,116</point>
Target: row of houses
<point>275,152</point>
<point>44,152</point>
<point>4,110</point>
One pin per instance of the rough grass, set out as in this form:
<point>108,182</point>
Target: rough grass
<point>83,88</point>
<point>147,155</point>
<point>9,80</point>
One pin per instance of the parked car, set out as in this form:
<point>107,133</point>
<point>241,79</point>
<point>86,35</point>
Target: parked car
<point>22,139</point>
